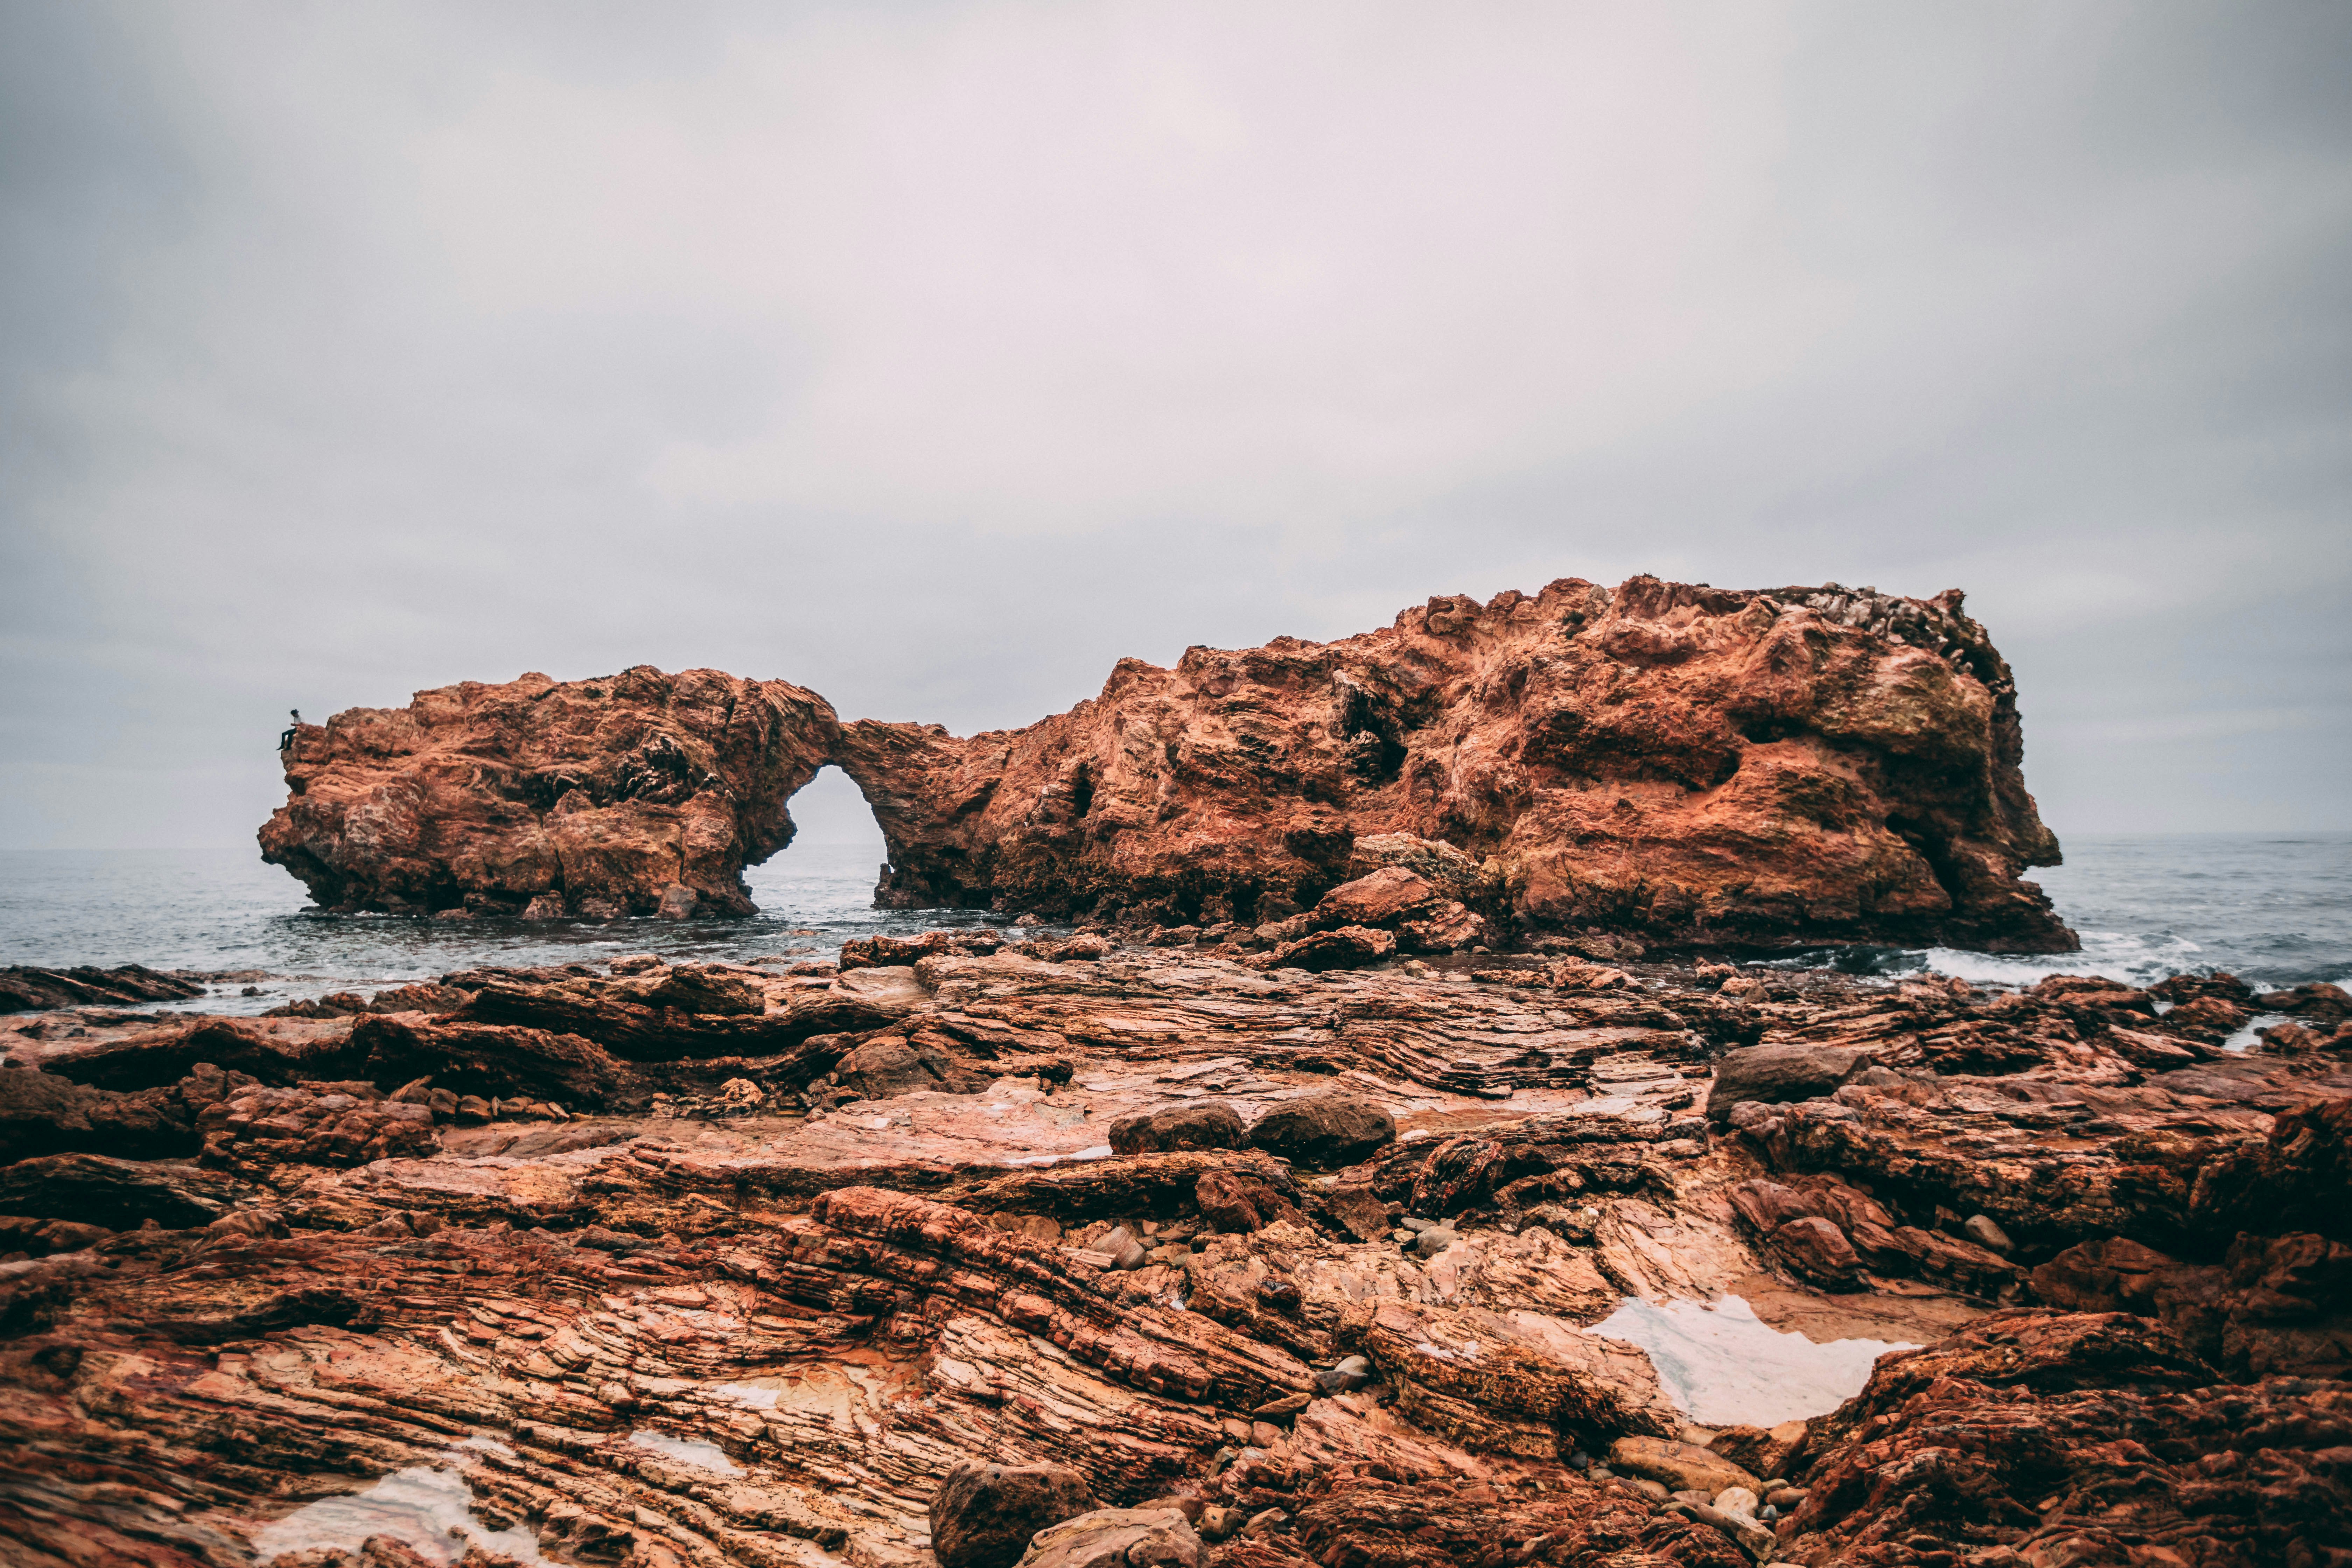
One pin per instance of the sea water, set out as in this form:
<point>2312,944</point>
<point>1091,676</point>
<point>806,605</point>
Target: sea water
<point>2275,909</point>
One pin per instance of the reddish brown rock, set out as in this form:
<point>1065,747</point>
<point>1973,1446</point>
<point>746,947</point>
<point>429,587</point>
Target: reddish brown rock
<point>1324,1130</point>
<point>1801,764</point>
<point>26,989</point>
<point>1348,947</point>
<point>640,793</point>
<point>686,1323</point>
<point>2032,1437</point>
<point>983,1515</point>
<point>1238,1203</point>
<point>1202,1124</point>
<point>1797,764</point>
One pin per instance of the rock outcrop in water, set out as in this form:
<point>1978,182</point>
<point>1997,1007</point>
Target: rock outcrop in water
<point>634,1269</point>
<point>1696,765</point>
<point>637,793</point>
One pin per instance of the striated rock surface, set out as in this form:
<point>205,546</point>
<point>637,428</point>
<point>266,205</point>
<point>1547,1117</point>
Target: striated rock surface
<point>635,793</point>
<point>561,1275</point>
<point>1686,763</point>
<point>1704,765</point>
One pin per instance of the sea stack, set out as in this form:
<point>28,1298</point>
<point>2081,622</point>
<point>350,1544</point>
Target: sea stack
<point>1684,765</point>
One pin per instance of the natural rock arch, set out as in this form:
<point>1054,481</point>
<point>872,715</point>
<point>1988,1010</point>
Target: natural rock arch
<point>1700,764</point>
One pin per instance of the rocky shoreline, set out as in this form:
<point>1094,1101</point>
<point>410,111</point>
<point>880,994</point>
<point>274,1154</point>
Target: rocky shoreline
<point>1270,1253</point>
<point>1691,766</point>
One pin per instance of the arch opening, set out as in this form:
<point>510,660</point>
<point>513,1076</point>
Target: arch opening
<point>830,866</point>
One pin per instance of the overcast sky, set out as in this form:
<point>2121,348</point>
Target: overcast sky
<point>938,356</point>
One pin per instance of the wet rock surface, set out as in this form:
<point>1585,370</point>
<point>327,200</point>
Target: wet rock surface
<point>670,1265</point>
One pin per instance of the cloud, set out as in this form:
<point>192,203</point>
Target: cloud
<point>936,356</point>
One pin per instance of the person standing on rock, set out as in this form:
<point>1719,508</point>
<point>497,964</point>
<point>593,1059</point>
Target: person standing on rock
<point>288,739</point>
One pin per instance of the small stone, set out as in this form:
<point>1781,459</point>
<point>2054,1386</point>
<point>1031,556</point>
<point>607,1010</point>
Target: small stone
<point>1433,1241</point>
<point>1981,1230</point>
<point>1330,1383</point>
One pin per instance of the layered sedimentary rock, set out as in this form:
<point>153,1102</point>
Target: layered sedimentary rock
<point>1692,764</point>
<point>1803,764</point>
<point>1273,1266</point>
<point>637,793</point>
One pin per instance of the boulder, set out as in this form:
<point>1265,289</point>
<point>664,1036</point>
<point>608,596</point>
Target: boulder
<point>1773,1075</point>
<point>1199,1124</point>
<point>893,1066</point>
<point>1816,1249</point>
<point>690,988</point>
<point>1759,1450</point>
<point>1238,1203</point>
<point>1383,899</point>
<point>1352,1207</point>
<point>494,1061</point>
<point>1677,1465</point>
<point>1325,1129</point>
<point>1348,947</point>
<point>1119,1537</point>
<point>983,1515</point>
<point>891,952</point>
<point>1449,928</point>
<point>2330,1004</point>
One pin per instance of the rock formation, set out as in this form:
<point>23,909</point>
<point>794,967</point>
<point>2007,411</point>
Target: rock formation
<point>632,1267</point>
<point>637,793</point>
<point>1803,764</point>
<point>1697,765</point>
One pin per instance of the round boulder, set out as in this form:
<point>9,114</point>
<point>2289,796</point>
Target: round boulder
<point>983,1515</point>
<point>1327,1130</point>
<point>1119,1537</point>
<point>1202,1124</point>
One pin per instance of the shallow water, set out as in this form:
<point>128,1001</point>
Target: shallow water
<point>1722,1366</point>
<point>2274,909</point>
<point>428,1508</point>
<point>224,910</point>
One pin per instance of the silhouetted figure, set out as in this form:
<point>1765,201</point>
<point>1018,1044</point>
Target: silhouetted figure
<point>288,739</point>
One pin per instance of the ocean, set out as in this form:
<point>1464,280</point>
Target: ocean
<point>2274,909</point>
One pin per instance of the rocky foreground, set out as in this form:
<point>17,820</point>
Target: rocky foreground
<point>1072,1252</point>
<point>1690,765</point>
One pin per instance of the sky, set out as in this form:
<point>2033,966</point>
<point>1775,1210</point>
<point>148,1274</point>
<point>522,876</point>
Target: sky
<point>938,356</point>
